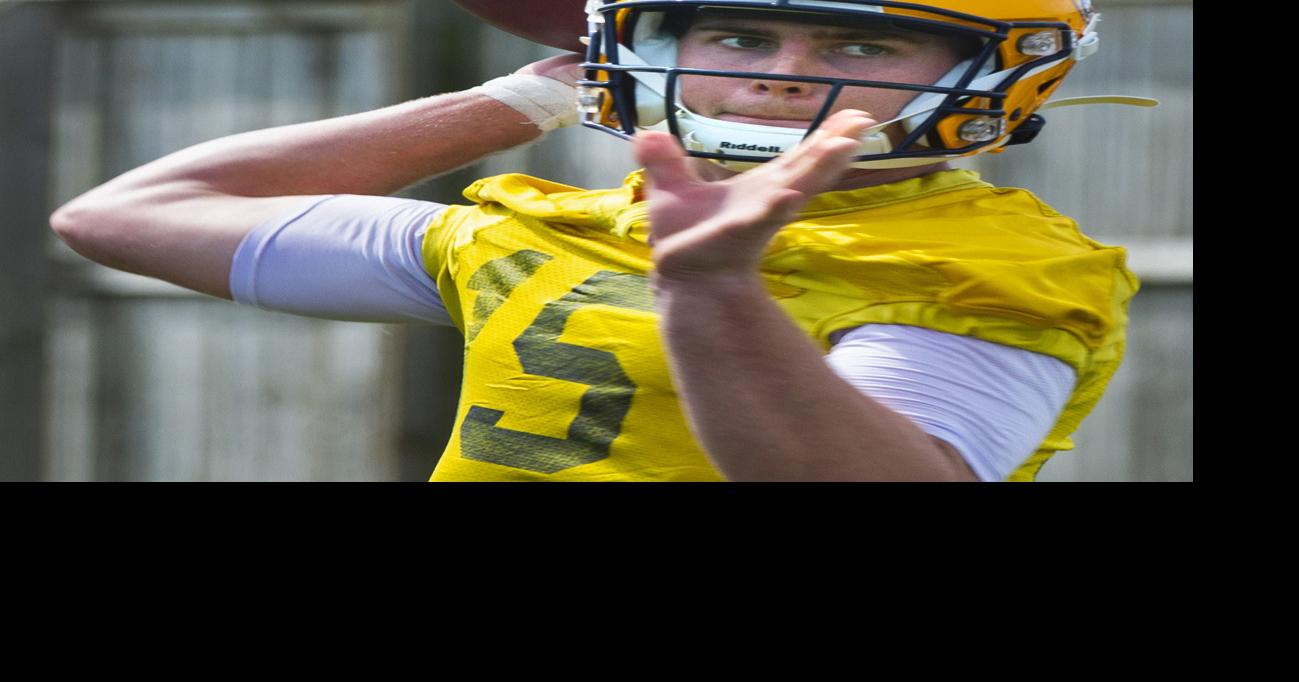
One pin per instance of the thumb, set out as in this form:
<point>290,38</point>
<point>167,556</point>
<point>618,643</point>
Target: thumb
<point>663,159</point>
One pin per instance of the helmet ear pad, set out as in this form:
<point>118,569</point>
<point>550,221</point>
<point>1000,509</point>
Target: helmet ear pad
<point>658,48</point>
<point>925,101</point>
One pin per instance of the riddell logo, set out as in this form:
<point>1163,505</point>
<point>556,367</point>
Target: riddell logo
<point>750,147</point>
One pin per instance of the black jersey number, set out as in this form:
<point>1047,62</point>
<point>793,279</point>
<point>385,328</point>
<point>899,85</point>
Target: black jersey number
<point>603,406</point>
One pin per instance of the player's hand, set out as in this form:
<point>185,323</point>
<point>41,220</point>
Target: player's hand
<point>564,67</point>
<point>707,230</point>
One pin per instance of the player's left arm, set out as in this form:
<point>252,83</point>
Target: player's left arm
<point>756,390</point>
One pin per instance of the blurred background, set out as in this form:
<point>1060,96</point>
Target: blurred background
<point>106,376</point>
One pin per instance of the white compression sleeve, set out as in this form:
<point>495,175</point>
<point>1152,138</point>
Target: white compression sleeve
<point>993,403</point>
<point>342,257</point>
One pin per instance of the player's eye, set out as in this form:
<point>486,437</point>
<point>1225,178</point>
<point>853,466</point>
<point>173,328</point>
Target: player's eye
<point>744,42</point>
<point>862,50</point>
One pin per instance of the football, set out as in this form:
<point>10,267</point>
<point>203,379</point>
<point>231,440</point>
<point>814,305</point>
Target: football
<point>558,23</point>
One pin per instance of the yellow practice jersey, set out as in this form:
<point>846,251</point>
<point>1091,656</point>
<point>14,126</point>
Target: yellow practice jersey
<point>565,375</point>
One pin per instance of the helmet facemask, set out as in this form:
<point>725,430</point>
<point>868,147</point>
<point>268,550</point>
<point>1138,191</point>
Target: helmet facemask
<point>648,89</point>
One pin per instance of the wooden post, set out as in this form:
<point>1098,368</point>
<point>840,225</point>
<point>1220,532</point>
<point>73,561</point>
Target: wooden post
<point>26,65</point>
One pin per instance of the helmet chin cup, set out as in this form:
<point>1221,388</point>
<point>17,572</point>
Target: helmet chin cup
<point>715,136</point>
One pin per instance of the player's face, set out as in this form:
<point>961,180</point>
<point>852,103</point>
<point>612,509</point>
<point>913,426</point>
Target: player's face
<point>786,47</point>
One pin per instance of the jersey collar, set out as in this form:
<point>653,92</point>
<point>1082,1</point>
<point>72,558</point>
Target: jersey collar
<point>623,212</point>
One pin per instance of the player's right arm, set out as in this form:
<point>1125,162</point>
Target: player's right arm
<point>181,218</point>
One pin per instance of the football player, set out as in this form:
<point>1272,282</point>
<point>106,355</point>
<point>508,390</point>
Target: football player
<point>795,287</point>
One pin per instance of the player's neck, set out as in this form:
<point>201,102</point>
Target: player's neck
<point>857,178</point>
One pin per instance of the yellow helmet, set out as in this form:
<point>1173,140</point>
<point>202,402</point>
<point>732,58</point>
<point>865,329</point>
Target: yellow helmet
<point>1014,55</point>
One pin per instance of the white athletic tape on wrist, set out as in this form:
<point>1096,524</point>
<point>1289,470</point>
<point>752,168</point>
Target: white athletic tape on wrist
<point>548,103</point>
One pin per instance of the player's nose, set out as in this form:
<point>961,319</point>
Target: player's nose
<point>780,87</point>
<point>789,61</point>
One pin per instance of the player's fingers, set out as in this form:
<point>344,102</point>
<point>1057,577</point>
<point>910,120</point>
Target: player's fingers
<point>816,170</point>
<point>663,159</point>
<point>851,123</point>
<point>846,123</point>
<point>827,156</point>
